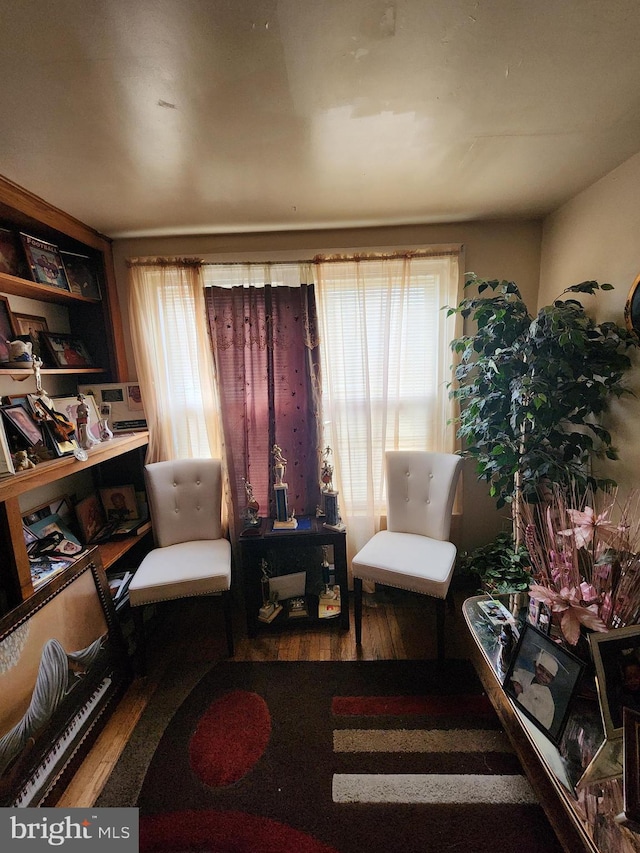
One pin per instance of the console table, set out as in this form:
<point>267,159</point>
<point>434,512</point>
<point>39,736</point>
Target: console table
<point>579,783</point>
<point>278,547</point>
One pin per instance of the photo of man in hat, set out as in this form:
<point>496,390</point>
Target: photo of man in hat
<point>532,688</point>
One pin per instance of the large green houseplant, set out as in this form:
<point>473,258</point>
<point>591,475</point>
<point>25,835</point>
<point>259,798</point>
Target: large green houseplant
<point>532,389</point>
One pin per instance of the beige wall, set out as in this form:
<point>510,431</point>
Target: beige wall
<point>492,249</point>
<point>597,236</point>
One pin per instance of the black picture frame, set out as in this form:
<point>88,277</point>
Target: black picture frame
<point>72,614</point>
<point>631,773</point>
<point>66,350</point>
<point>537,700</point>
<point>614,653</point>
<point>81,275</point>
<point>22,423</point>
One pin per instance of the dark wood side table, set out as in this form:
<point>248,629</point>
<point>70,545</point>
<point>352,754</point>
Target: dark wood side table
<point>267,543</point>
<point>578,786</point>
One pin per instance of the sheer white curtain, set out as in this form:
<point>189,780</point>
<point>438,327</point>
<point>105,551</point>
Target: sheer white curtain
<point>173,358</point>
<point>386,363</point>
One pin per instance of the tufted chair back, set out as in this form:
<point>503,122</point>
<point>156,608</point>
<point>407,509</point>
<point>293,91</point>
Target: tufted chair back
<point>185,500</point>
<point>421,487</point>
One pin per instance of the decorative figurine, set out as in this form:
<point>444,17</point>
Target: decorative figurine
<point>105,413</point>
<point>284,519</point>
<point>251,518</point>
<point>507,642</point>
<point>328,495</point>
<point>85,439</point>
<point>21,461</point>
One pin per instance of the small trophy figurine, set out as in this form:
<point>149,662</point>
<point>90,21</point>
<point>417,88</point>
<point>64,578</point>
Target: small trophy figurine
<point>329,496</point>
<point>284,519</point>
<point>251,518</point>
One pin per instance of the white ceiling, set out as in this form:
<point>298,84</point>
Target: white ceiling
<point>200,116</point>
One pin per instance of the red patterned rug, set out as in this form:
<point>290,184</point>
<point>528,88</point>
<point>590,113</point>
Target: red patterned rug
<point>322,757</point>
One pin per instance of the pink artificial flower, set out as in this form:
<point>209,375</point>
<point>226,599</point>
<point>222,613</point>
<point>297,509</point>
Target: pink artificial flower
<point>574,613</point>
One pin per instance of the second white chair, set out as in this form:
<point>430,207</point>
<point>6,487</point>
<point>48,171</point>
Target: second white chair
<point>192,556</point>
<point>414,552</point>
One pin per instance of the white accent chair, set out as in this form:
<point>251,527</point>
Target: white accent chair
<point>192,556</point>
<point>414,552</point>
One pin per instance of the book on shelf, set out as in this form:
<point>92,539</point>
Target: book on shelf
<point>271,616</point>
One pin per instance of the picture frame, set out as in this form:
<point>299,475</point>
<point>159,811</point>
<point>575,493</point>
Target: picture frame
<point>632,308</point>
<point>119,503</point>
<point>68,406</point>
<point>631,774</point>
<point>7,468</point>
<point>81,275</point>
<point>616,657</point>
<point>31,325</point>
<point>7,328</point>
<point>71,615</point>
<point>10,255</point>
<point>70,546</point>
<point>92,520</point>
<point>22,422</point>
<point>66,350</point>
<point>44,261</point>
<point>541,680</point>
<point>60,446</point>
<point>61,506</point>
<point>127,408</point>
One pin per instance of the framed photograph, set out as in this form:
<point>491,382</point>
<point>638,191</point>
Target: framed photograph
<point>66,350</point>
<point>616,656</point>
<point>127,410</point>
<point>631,775</point>
<point>632,308</point>
<point>68,406</point>
<point>7,328</point>
<point>23,423</point>
<point>60,506</point>
<point>92,520</point>
<point>10,253</point>
<point>81,274</point>
<point>7,468</point>
<point>541,680</point>
<point>119,503</point>
<point>32,325</point>
<point>69,545</point>
<point>45,263</point>
<point>62,649</point>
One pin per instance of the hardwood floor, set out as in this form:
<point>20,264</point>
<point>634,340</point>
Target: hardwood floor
<point>395,625</point>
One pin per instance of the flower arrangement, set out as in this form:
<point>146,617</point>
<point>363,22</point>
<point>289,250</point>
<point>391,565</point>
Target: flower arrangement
<point>585,557</point>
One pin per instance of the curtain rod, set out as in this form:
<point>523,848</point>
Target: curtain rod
<point>317,259</point>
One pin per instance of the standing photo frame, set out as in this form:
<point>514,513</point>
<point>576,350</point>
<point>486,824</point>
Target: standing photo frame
<point>127,411</point>
<point>81,275</point>
<point>7,328</point>
<point>66,350</point>
<point>45,263</point>
<point>68,624</point>
<point>541,680</point>
<point>616,657</point>
<point>23,423</point>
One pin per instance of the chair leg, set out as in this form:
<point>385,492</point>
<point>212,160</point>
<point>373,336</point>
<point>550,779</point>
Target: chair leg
<point>357,608</point>
<point>228,622</point>
<point>141,646</point>
<point>440,616</point>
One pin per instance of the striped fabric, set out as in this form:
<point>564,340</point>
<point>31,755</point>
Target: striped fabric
<point>464,757</point>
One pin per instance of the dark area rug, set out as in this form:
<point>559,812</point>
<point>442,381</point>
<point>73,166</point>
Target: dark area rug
<point>355,757</point>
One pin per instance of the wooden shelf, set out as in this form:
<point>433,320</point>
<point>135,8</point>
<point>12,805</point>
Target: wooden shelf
<point>49,472</point>
<point>23,374</point>
<point>111,551</point>
<point>43,293</point>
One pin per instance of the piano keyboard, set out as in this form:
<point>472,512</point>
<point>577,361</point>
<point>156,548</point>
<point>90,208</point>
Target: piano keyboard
<point>60,754</point>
